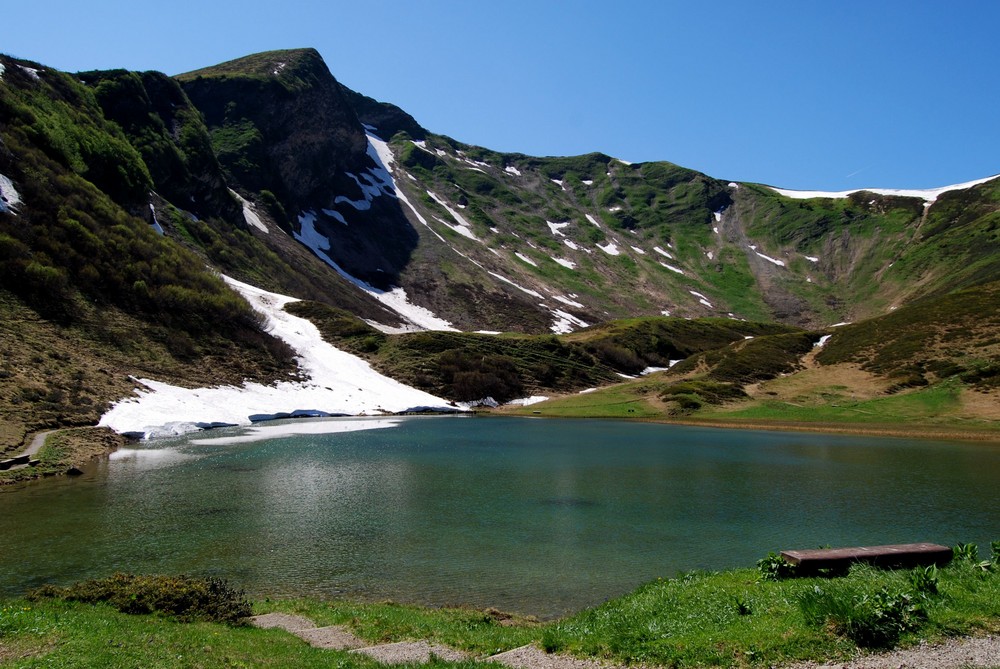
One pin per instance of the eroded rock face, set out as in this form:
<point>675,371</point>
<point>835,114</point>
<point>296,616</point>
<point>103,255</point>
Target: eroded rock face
<point>280,122</point>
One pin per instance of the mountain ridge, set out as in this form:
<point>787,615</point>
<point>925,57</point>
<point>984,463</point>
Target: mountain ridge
<point>267,169</point>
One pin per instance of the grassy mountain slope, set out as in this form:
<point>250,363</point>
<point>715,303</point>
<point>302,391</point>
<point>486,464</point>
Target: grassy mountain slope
<point>930,364</point>
<point>90,289</point>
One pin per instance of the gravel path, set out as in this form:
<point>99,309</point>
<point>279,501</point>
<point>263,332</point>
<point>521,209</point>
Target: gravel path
<point>981,652</point>
<point>978,653</point>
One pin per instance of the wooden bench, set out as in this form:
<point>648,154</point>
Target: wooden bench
<point>888,557</point>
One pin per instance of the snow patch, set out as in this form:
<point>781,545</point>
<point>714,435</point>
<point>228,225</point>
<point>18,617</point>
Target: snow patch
<point>528,401</point>
<point>249,215</point>
<point>587,182</point>
<point>822,341</point>
<point>701,298</point>
<point>284,430</point>
<point>711,256</point>
<point>672,268</point>
<point>336,215</point>
<point>733,184</point>
<point>556,228</point>
<point>570,243</point>
<point>395,298</point>
<point>811,258</point>
<point>463,228</point>
<point>558,183</point>
<point>567,301</point>
<point>568,264</point>
<point>337,383</point>
<point>156,222</point>
<point>593,220</point>
<point>279,68</point>
<point>611,249</point>
<point>376,181</point>
<point>565,323</point>
<point>779,263</point>
<point>666,312</point>
<point>927,194</point>
<point>652,370</point>
<point>510,169</point>
<point>663,253</point>
<point>31,72</point>
<point>718,216</point>
<point>527,291</point>
<point>9,197</point>
<point>638,250</point>
<point>588,390</point>
<point>526,259</point>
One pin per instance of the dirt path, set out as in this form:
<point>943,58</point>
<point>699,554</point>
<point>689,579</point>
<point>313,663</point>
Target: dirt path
<point>978,653</point>
<point>37,442</point>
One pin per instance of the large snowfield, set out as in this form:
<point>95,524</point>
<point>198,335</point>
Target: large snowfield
<point>336,383</point>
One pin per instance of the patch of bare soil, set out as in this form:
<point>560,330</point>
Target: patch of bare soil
<point>533,657</point>
<point>981,405</point>
<point>12,650</point>
<point>408,652</point>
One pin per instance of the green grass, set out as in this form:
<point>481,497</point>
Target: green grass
<point>737,619</point>
<point>619,401</point>
<point>933,405</point>
<point>731,619</point>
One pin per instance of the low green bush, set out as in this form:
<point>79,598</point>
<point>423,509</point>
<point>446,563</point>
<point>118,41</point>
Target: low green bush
<point>182,597</point>
<point>773,567</point>
<point>870,620</point>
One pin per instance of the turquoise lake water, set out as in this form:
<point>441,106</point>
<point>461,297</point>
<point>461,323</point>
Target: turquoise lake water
<point>535,516</point>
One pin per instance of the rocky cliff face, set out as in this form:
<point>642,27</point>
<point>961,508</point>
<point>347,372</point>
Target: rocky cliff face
<point>282,126</point>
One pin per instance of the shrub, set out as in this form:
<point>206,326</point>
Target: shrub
<point>925,580</point>
<point>182,597</point>
<point>773,567</point>
<point>966,552</point>
<point>871,620</point>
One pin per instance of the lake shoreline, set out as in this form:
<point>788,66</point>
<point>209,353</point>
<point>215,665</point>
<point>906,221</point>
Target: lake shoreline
<point>912,431</point>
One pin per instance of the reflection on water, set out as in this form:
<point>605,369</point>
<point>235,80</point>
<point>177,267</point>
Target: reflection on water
<point>536,516</point>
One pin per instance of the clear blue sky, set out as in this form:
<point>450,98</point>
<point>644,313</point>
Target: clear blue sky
<point>803,94</point>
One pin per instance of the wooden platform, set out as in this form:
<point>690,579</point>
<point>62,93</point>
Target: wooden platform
<point>890,557</point>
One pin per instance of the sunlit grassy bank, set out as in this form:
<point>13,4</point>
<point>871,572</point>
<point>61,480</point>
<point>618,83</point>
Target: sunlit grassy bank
<point>735,618</point>
<point>941,410</point>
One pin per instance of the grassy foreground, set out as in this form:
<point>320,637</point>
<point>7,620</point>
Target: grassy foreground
<point>738,618</point>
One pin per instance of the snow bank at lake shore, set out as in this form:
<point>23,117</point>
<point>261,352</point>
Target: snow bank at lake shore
<point>338,383</point>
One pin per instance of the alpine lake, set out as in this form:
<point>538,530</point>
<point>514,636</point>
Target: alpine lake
<point>535,516</point>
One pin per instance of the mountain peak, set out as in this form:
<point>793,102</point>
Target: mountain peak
<point>293,67</point>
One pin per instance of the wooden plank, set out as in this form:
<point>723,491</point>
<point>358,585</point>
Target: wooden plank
<point>894,555</point>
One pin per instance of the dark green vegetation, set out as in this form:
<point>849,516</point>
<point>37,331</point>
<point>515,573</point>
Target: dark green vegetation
<point>468,366</point>
<point>739,618</point>
<point>180,597</point>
